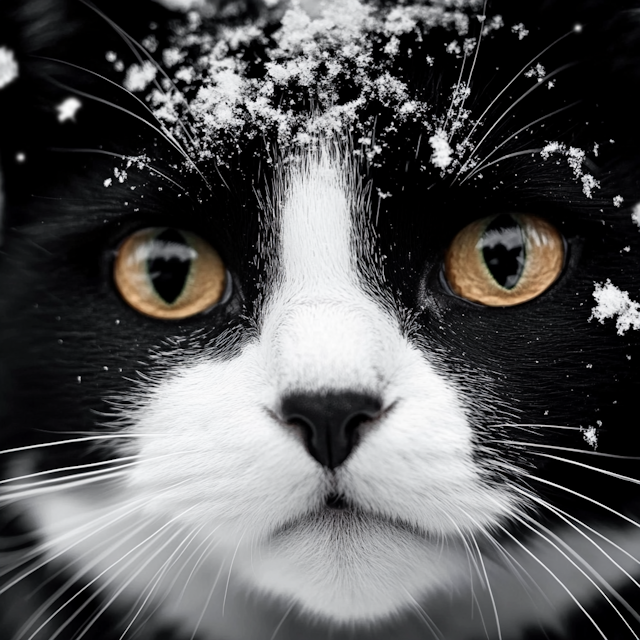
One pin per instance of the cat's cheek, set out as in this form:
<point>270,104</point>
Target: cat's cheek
<point>208,447</point>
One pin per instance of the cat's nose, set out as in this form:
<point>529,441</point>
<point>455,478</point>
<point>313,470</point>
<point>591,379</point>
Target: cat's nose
<point>330,422</point>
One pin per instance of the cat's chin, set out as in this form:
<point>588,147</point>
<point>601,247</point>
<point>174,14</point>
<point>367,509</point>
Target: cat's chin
<point>321,562</point>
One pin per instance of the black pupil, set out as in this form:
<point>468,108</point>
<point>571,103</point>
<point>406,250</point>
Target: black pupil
<point>503,250</point>
<point>170,264</point>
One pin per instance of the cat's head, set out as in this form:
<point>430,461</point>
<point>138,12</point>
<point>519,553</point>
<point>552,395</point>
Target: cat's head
<point>343,293</point>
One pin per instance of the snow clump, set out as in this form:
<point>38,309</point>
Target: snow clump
<point>614,303</point>
<point>8,67</point>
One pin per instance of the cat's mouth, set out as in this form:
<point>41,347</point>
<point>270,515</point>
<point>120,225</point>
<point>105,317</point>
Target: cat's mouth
<point>337,501</point>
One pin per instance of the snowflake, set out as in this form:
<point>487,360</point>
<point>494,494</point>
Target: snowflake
<point>8,67</point>
<point>612,302</point>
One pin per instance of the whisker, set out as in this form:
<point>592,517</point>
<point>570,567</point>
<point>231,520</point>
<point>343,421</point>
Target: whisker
<point>235,553</point>
<point>526,66</point>
<point>128,533</point>
<point>555,577</point>
<point>284,617</point>
<point>151,168</point>
<point>489,589</point>
<point>109,517</point>
<point>424,616</point>
<point>56,443</point>
<point>567,517</point>
<point>605,472</point>
<point>555,485</point>
<point>582,571</point>
<point>163,133</point>
<point>132,577</point>
<point>75,467</point>
<point>88,585</point>
<point>473,66</point>
<point>170,587</point>
<point>588,452</point>
<point>208,600</point>
<point>482,167</point>
<point>505,157</point>
<point>135,47</point>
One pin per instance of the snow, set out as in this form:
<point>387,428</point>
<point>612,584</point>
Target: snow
<point>442,151</point>
<point>140,76</point>
<point>575,159</point>
<point>617,201</point>
<point>590,435</point>
<point>68,108</point>
<point>635,214</point>
<point>318,49</point>
<point>614,303</point>
<point>8,67</point>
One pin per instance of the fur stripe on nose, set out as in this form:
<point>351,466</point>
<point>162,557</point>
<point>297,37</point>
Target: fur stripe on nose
<point>330,422</point>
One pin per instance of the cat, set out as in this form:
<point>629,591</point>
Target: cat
<point>319,320</point>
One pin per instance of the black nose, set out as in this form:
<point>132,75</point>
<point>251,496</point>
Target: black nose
<point>330,422</point>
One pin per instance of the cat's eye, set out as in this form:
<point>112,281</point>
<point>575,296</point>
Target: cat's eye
<point>504,260</point>
<point>168,273</point>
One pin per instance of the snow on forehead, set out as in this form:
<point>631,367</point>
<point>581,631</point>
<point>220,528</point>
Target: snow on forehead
<point>306,70</point>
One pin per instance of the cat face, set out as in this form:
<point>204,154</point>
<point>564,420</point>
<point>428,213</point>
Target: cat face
<point>325,306</point>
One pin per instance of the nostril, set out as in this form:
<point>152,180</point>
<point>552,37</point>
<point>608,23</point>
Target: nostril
<point>330,422</point>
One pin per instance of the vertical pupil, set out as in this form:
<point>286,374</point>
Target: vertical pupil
<point>503,250</point>
<point>169,264</point>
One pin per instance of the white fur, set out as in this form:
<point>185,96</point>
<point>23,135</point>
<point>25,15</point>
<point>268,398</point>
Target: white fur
<point>215,457</point>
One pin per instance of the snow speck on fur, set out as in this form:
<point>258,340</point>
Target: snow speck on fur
<point>442,152</point>
<point>590,435</point>
<point>614,303</point>
<point>68,108</point>
<point>8,67</point>
<point>575,158</point>
<point>635,214</point>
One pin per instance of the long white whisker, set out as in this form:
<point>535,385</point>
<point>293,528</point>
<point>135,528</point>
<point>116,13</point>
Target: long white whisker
<point>88,585</point>
<point>611,474</point>
<point>567,517</point>
<point>555,577</point>
<point>582,571</point>
<point>526,66</point>
<point>134,46</point>
<point>482,166</point>
<point>109,517</point>
<point>164,133</point>
<point>489,589</point>
<point>128,533</point>
<point>235,553</point>
<point>121,156</point>
<point>424,616</point>
<point>473,66</point>
<point>208,600</point>
<point>515,154</point>
<point>284,617</point>
<point>587,452</point>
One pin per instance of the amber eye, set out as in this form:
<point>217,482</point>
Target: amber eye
<point>167,273</point>
<point>504,260</point>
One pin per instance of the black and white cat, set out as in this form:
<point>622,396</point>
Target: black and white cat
<point>320,320</point>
